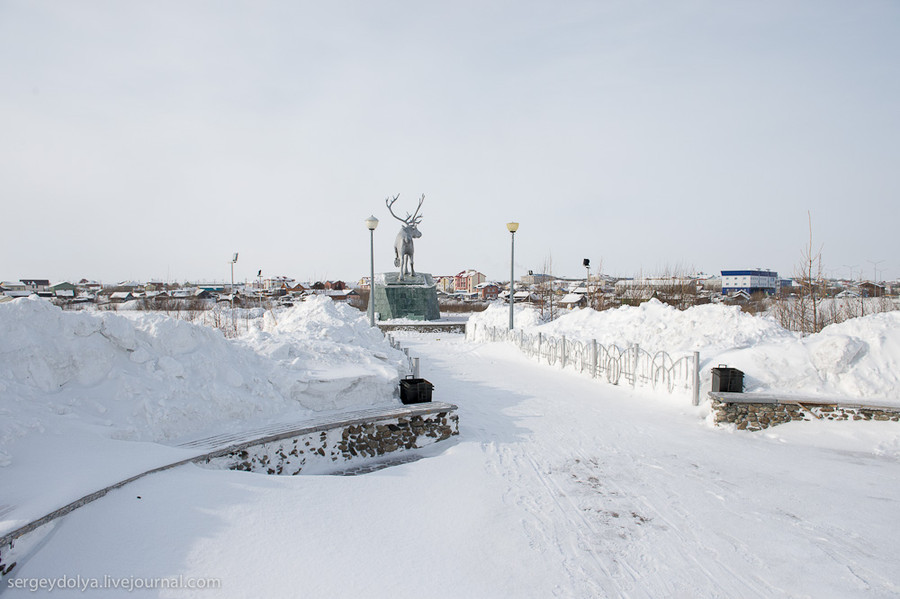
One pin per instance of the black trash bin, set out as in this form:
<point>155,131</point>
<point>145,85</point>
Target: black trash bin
<point>727,380</point>
<point>413,390</point>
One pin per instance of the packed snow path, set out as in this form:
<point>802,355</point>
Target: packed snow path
<point>558,485</point>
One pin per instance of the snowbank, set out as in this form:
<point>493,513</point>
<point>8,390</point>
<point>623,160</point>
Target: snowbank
<point>148,377</point>
<point>497,315</point>
<point>859,358</point>
<point>328,355</point>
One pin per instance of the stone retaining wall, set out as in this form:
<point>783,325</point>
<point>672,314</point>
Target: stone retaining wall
<point>311,446</point>
<point>434,327</point>
<point>750,415</point>
<point>323,450</point>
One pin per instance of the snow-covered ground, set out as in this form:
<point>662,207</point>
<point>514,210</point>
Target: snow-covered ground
<point>858,359</point>
<point>557,486</point>
<point>90,398</point>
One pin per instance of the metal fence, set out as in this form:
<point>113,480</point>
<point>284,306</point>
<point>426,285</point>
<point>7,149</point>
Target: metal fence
<point>633,365</point>
<point>411,362</point>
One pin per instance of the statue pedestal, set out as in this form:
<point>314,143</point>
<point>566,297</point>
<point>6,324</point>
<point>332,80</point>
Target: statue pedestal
<point>409,297</point>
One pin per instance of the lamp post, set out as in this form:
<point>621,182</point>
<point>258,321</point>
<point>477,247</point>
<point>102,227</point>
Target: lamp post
<point>371,223</point>
<point>874,264</point>
<point>587,265</point>
<point>512,228</point>
<point>233,260</point>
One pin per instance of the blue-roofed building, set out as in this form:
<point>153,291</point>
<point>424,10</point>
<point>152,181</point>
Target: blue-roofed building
<point>749,281</point>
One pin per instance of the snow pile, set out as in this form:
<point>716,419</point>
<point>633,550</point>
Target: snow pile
<point>859,358</point>
<point>497,315</point>
<point>656,326</point>
<point>148,377</point>
<point>328,356</point>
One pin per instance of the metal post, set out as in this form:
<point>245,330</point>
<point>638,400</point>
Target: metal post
<point>372,277</point>
<point>512,280</point>
<point>540,338</point>
<point>594,358</point>
<point>696,381</point>
<point>371,225</point>
<point>415,367</point>
<point>562,353</point>
<point>588,286</point>
<point>637,356</point>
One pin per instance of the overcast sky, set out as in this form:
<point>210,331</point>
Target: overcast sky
<point>145,140</point>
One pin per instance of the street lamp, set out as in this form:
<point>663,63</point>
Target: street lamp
<point>874,264</point>
<point>233,260</point>
<point>587,265</point>
<point>512,228</point>
<point>371,223</point>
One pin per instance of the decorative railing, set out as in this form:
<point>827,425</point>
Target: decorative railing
<point>412,363</point>
<point>632,365</point>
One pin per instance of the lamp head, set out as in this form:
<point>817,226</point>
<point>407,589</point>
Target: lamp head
<point>512,227</point>
<point>371,223</point>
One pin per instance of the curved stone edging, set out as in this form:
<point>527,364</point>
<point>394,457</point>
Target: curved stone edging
<point>425,327</point>
<point>369,438</point>
<point>444,423</point>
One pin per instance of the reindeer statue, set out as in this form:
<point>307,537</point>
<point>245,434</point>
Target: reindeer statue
<point>403,246</point>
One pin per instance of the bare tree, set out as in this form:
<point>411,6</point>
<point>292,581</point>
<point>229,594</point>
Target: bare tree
<point>804,313</point>
<point>545,290</point>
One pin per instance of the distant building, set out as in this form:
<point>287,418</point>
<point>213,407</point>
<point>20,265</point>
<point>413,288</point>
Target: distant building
<point>15,289</point>
<point>63,289</point>
<point>467,281</point>
<point>444,283</point>
<point>488,291</point>
<point>869,289</point>
<point>36,285</point>
<point>573,300</point>
<point>212,287</point>
<point>749,281</point>
<point>278,283</point>
<point>533,278</point>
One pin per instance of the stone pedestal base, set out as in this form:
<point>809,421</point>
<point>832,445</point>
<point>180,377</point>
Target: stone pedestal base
<point>414,298</point>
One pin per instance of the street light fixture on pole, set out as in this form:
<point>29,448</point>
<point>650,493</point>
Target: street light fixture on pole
<point>371,223</point>
<point>874,264</point>
<point>512,228</point>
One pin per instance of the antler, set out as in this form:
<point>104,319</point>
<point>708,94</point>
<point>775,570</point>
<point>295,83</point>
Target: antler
<point>389,202</point>
<point>415,220</point>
